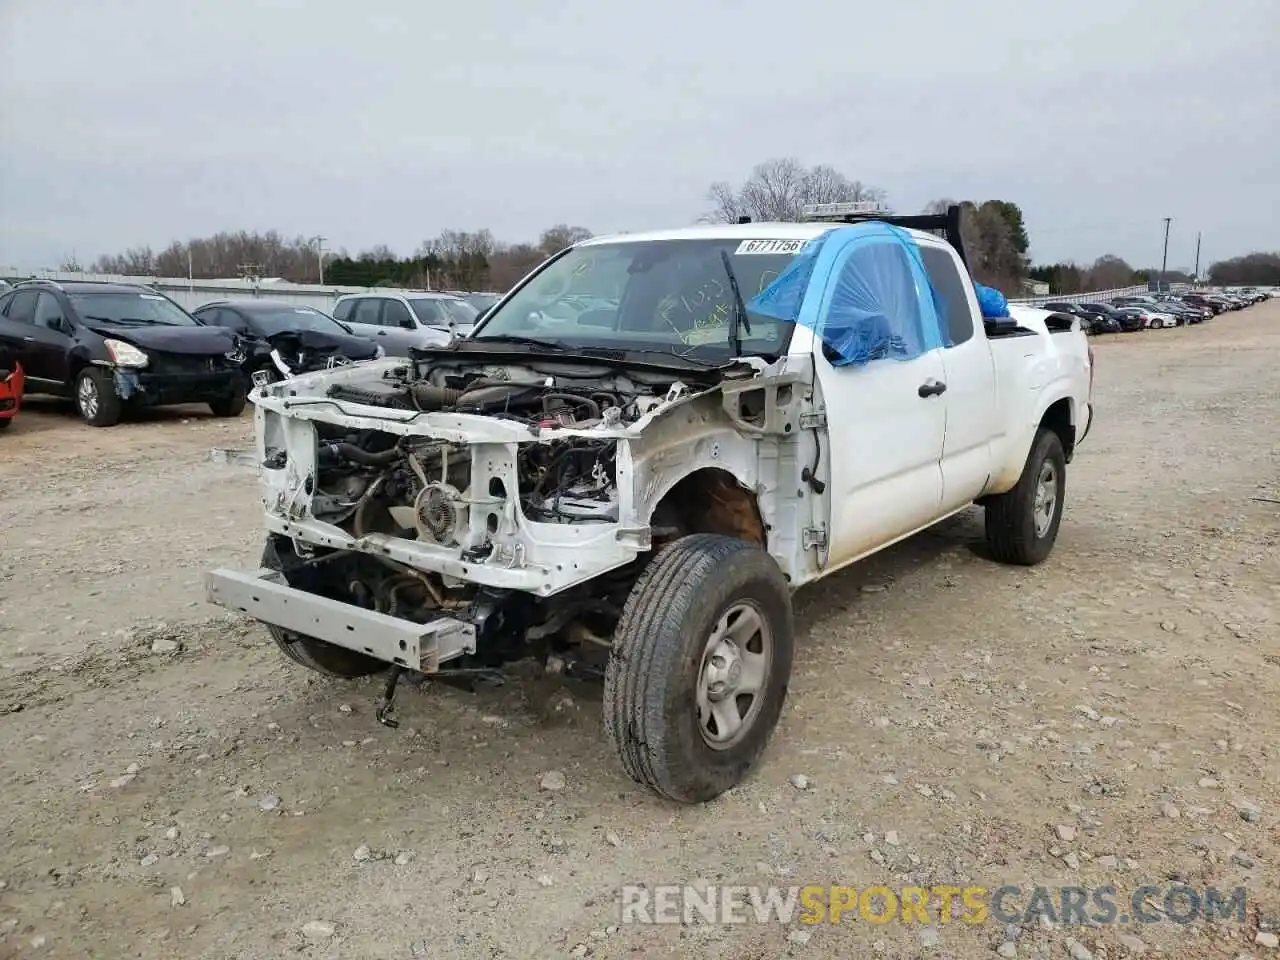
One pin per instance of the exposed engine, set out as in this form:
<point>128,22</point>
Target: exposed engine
<point>418,487</point>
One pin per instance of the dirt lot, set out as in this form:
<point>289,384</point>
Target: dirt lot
<point>1108,717</point>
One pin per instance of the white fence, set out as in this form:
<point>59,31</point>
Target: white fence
<point>193,293</point>
<point>1094,296</point>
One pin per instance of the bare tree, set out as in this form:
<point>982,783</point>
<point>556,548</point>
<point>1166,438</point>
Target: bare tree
<point>377,254</point>
<point>554,239</point>
<point>463,257</point>
<point>778,190</point>
<point>134,262</point>
<point>509,265</point>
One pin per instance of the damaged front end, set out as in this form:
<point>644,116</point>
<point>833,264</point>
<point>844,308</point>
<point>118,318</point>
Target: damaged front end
<point>481,504</point>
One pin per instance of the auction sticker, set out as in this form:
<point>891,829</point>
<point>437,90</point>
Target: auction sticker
<point>774,247</point>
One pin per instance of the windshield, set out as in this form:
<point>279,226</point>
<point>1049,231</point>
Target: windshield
<point>149,309</point>
<point>439,311</point>
<point>460,311</point>
<point>293,320</point>
<point>672,296</point>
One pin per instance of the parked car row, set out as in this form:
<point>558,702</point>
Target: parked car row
<point>1156,311</point>
<point>110,346</point>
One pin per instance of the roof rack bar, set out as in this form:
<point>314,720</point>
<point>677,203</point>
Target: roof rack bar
<point>838,211</point>
<point>945,225</point>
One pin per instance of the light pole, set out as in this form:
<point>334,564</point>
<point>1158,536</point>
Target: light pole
<point>319,242</point>
<point>1164,261</point>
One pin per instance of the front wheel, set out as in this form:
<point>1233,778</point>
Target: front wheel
<point>231,406</point>
<point>1157,324</point>
<point>96,398</point>
<point>1022,524</point>
<point>307,651</point>
<point>700,665</point>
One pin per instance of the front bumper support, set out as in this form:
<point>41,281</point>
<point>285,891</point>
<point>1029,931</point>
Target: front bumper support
<point>264,596</point>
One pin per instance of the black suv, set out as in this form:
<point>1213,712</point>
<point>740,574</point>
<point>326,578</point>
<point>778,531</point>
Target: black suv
<point>109,346</point>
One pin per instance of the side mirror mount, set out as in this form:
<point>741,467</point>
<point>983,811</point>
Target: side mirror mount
<point>408,324</point>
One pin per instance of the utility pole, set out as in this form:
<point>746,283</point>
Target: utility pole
<point>319,242</point>
<point>1164,261</point>
<point>1196,275</point>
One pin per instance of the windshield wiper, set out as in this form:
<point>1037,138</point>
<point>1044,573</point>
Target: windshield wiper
<point>124,320</point>
<point>739,315</point>
<point>514,338</point>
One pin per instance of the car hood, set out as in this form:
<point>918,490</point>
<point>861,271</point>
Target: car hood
<point>349,345</point>
<point>201,341</point>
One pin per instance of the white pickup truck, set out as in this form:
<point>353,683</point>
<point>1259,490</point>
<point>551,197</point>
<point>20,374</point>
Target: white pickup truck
<point>633,486</point>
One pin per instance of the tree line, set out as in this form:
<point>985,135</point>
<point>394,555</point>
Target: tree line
<point>994,233</point>
<point>1254,269</point>
<point>454,260</point>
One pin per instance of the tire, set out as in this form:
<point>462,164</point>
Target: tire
<point>323,658</point>
<point>231,406</point>
<point>1157,324</point>
<point>96,399</point>
<point>662,655</point>
<point>1018,530</point>
<point>5,421</point>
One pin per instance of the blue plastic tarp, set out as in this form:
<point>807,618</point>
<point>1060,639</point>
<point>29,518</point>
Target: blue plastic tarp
<point>991,302</point>
<point>864,291</point>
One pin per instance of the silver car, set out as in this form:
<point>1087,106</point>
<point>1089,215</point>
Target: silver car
<point>398,321</point>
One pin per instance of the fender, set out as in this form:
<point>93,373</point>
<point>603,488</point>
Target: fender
<point>1019,448</point>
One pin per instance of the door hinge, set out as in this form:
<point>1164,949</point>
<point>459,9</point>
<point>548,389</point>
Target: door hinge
<point>812,537</point>
<point>814,419</point>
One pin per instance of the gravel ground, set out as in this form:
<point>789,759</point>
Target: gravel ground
<point>173,787</point>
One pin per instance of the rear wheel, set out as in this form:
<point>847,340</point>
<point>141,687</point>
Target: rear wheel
<point>5,421</point>
<point>1022,524</point>
<point>96,398</point>
<point>325,658</point>
<point>700,665</point>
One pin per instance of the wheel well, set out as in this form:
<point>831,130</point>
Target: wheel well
<point>710,500</point>
<point>77,364</point>
<point>1058,419</point>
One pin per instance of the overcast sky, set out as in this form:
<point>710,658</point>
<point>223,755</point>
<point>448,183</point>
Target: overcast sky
<point>137,122</point>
